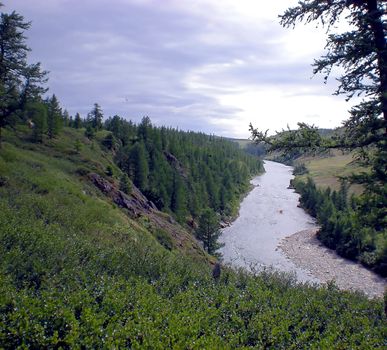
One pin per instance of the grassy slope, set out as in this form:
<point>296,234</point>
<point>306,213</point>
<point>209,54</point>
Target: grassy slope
<point>326,170</point>
<point>52,179</point>
<point>76,271</point>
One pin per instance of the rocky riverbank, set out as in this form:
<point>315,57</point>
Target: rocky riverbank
<point>305,251</point>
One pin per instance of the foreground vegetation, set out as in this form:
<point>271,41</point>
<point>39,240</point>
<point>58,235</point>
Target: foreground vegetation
<point>77,271</point>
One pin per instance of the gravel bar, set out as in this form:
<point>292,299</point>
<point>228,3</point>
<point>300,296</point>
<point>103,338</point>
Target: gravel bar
<point>307,252</point>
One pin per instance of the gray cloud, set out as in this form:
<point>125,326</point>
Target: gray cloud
<point>152,58</point>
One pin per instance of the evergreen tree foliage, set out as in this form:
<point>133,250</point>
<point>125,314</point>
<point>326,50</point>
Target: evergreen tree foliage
<point>54,117</point>
<point>66,118</point>
<point>37,113</point>
<point>20,82</point>
<point>77,121</point>
<point>139,165</point>
<point>208,231</point>
<point>178,197</point>
<point>203,167</point>
<point>343,225</point>
<point>109,141</point>
<point>125,184</point>
<point>144,128</point>
<point>95,117</point>
<point>89,132</point>
<point>77,272</point>
<point>183,172</point>
<point>77,146</point>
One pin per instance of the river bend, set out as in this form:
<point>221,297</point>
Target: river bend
<point>267,214</point>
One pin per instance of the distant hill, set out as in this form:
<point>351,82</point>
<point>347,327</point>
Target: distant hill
<point>250,147</point>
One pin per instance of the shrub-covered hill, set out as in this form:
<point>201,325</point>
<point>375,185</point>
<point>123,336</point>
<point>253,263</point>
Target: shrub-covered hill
<point>80,270</point>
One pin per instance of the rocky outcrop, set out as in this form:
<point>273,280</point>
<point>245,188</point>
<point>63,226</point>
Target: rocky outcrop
<point>175,163</point>
<point>138,205</point>
<point>136,202</point>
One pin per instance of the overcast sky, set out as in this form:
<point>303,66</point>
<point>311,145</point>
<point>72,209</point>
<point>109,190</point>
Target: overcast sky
<point>202,65</point>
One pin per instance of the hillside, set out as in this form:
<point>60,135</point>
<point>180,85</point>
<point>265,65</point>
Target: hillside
<point>327,169</point>
<point>79,269</point>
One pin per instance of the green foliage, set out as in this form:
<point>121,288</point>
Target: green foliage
<point>89,132</point>
<point>54,117</point>
<point>109,170</point>
<point>300,169</point>
<point>344,226</point>
<point>20,82</point>
<point>125,184</point>
<point>178,197</point>
<point>77,272</point>
<point>164,238</point>
<point>183,172</point>
<point>37,113</point>
<point>109,142</point>
<point>208,231</point>
<point>95,117</point>
<point>77,121</point>
<point>77,146</point>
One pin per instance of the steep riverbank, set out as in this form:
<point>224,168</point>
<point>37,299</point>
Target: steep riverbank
<point>306,252</point>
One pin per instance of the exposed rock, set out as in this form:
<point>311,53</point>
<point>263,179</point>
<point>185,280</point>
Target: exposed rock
<point>137,205</point>
<point>174,162</point>
<point>224,224</point>
<point>136,202</point>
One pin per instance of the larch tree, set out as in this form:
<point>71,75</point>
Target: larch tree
<point>54,117</point>
<point>208,231</point>
<point>139,163</point>
<point>20,82</point>
<point>77,121</point>
<point>95,117</point>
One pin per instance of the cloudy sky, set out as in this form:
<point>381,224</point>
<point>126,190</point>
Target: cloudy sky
<point>202,65</point>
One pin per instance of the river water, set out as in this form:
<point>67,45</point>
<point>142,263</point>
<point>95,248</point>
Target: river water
<point>268,214</point>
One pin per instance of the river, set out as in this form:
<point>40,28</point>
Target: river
<point>270,225</point>
<point>267,214</point>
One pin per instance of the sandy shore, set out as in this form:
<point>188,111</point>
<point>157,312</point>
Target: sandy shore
<point>305,251</point>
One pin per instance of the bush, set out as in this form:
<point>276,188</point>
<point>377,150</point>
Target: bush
<point>300,169</point>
